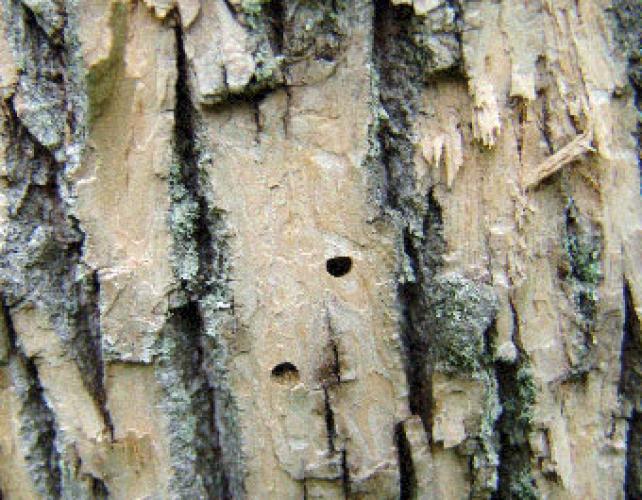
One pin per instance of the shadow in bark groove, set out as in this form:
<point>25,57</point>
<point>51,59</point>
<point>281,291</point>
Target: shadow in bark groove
<point>630,388</point>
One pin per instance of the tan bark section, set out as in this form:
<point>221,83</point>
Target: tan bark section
<point>132,462</point>
<point>60,377</point>
<point>136,464</point>
<point>291,183</point>
<point>122,199</point>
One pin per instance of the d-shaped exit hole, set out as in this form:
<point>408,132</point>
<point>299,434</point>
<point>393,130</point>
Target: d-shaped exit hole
<point>285,373</point>
<point>338,266</point>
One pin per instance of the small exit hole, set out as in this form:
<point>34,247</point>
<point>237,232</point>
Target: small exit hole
<point>338,266</point>
<point>285,372</point>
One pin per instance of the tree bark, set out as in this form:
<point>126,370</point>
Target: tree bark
<point>320,249</point>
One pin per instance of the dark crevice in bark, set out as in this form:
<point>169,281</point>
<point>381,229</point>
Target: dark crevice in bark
<point>329,376</point>
<point>517,393</point>
<point>96,487</point>
<point>630,389</point>
<point>52,273</point>
<point>329,372</point>
<point>627,17</point>
<point>11,331</point>
<point>336,361</point>
<point>404,63</point>
<point>543,102</point>
<point>515,334</point>
<point>256,108</point>
<point>407,476</point>
<point>345,474</point>
<point>424,258</point>
<point>516,396</point>
<point>188,179</point>
<point>37,425</point>
<point>49,21</point>
<point>633,471</point>
<point>520,111</point>
<point>99,489</point>
<point>88,342</point>
<point>274,11</point>
<point>194,441</point>
<point>186,367</point>
<point>331,428</point>
<point>446,319</point>
<point>415,348</point>
<point>38,429</point>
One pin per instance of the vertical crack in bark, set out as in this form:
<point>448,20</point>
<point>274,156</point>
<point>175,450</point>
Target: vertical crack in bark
<point>37,421</point>
<point>404,62</point>
<point>345,476</point>
<point>517,393</point>
<point>190,368</point>
<point>630,389</point>
<point>445,317</point>
<point>407,476</point>
<point>99,489</point>
<point>627,18</point>
<point>37,429</point>
<point>402,67</point>
<point>329,377</point>
<point>415,349</point>
<point>194,442</point>
<point>52,273</point>
<point>193,238</point>
<point>520,111</point>
<point>331,428</point>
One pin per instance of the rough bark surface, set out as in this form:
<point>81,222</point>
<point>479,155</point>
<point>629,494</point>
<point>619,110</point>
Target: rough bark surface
<point>320,249</point>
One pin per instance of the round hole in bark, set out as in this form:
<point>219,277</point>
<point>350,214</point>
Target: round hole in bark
<point>338,266</point>
<point>285,372</point>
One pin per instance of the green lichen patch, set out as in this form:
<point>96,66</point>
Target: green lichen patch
<point>253,7</point>
<point>581,274</point>
<point>517,393</point>
<point>582,267</point>
<point>486,458</point>
<point>518,406</point>
<point>461,312</point>
<point>522,486</point>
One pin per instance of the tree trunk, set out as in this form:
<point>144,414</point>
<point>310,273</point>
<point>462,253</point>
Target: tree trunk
<point>282,249</point>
